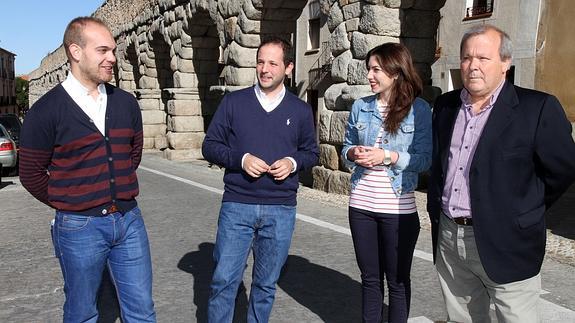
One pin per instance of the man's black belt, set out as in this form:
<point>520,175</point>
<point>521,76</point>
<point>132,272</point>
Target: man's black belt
<point>121,206</point>
<point>463,221</point>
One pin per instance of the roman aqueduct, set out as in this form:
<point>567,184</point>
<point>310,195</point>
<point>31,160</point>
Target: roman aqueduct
<point>179,57</point>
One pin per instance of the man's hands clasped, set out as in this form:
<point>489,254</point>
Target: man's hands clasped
<point>256,167</point>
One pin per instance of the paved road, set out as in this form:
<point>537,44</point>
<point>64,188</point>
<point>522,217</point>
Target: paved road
<point>180,201</point>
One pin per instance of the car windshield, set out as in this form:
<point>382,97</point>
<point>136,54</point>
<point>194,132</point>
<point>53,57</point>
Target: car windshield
<point>3,132</point>
<point>10,122</point>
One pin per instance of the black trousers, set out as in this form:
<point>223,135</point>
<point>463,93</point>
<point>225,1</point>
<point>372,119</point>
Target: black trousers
<point>384,245</point>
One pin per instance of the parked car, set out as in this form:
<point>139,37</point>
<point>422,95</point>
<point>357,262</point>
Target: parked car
<point>8,154</point>
<point>13,124</point>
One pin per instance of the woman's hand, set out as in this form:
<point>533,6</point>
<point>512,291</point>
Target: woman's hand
<point>369,156</point>
<point>366,156</point>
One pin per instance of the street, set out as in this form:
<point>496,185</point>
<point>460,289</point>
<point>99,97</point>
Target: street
<point>180,203</point>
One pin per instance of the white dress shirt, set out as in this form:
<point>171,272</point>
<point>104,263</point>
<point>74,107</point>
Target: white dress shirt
<point>94,108</point>
<point>269,104</point>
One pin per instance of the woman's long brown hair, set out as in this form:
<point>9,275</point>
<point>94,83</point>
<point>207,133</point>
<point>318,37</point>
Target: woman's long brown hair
<point>395,60</point>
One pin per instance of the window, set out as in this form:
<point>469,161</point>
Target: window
<point>12,69</point>
<point>313,35</point>
<point>313,25</point>
<point>478,9</point>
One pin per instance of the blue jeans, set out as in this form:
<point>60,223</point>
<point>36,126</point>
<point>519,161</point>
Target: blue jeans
<point>85,244</point>
<point>267,230</point>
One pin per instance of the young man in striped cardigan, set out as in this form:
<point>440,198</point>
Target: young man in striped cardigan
<point>81,144</point>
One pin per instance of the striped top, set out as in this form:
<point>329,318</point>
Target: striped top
<point>68,164</point>
<point>374,193</point>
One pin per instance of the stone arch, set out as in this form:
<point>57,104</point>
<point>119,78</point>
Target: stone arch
<point>127,56</point>
<point>202,35</point>
<point>131,61</point>
<point>195,62</point>
<point>155,58</point>
<point>245,25</point>
<point>60,78</point>
<point>148,53</point>
<point>132,58</point>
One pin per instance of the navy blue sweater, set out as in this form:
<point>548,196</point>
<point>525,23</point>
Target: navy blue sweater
<point>241,125</point>
<point>68,164</point>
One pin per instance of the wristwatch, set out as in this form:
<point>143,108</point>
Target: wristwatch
<point>386,157</point>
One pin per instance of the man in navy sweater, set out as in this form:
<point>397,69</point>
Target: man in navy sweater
<point>263,136</point>
<point>81,144</point>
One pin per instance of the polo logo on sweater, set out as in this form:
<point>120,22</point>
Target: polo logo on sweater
<point>287,122</point>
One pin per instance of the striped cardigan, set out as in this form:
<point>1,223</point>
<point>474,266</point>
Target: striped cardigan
<point>68,164</point>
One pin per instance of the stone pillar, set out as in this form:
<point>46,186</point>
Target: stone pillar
<point>185,124</point>
<point>153,118</point>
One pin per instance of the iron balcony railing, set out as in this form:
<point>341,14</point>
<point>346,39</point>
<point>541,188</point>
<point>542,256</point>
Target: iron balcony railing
<point>321,67</point>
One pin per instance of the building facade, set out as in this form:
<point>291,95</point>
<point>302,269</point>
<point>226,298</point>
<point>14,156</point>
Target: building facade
<point>7,83</point>
<point>542,39</point>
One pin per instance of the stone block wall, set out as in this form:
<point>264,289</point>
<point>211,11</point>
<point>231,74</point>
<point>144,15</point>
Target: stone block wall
<point>356,27</point>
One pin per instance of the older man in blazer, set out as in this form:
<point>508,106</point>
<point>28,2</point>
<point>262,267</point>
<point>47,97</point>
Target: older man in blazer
<point>502,155</point>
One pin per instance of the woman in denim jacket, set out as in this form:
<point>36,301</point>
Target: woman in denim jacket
<point>387,144</point>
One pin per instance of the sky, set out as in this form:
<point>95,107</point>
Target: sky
<point>33,28</point>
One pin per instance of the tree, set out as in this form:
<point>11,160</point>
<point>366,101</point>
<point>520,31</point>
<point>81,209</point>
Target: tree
<point>22,88</point>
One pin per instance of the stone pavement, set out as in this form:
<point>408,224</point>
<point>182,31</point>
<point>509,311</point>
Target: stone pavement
<point>180,202</point>
<point>561,228</point>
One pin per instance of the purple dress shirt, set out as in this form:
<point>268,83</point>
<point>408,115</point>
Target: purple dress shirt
<point>466,133</point>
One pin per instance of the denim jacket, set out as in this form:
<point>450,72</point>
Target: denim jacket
<point>413,141</point>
